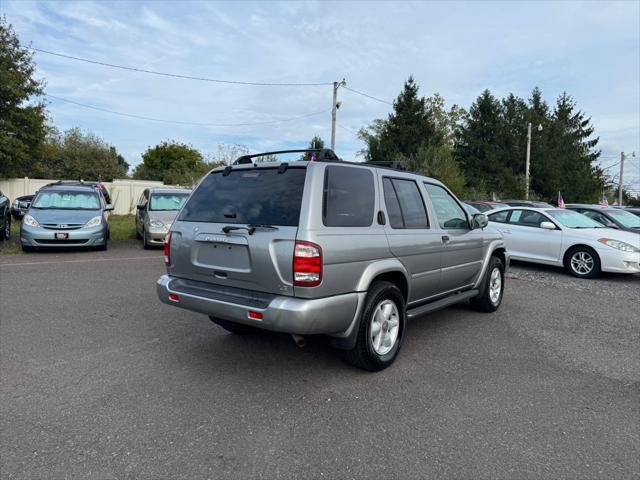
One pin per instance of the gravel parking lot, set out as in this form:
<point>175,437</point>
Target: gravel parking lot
<point>100,380</point>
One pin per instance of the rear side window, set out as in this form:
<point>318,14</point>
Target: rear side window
<point>257,196</point>
<point>348,197</point>
<point>404,204</point>
<point>500,217</point>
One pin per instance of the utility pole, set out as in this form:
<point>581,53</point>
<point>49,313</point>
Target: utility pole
<point>621,172</point>
<point>334,109</point>
<point>528,164</point>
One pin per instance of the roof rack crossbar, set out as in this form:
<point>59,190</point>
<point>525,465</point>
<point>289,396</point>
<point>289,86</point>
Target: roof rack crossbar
<point>324,154</point>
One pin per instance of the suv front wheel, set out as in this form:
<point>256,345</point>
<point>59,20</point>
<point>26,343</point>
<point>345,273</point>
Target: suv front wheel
<point>381,329</point>
<point>491,288</point>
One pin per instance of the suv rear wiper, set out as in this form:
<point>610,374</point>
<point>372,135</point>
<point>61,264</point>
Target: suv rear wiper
<point>251,228</point>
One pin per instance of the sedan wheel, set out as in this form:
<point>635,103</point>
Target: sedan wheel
<point>583,262</point>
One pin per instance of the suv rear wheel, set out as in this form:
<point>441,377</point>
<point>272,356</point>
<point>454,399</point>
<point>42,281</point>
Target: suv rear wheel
<point>492,287</point>
<point>381,329</point>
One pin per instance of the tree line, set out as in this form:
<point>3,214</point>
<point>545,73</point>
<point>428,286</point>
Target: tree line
<point>477,152</point>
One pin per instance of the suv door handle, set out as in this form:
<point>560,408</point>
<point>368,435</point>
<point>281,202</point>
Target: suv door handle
<point>445,238</point>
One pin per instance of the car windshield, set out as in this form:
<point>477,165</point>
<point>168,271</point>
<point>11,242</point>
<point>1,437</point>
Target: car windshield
<point>67,201</point>
<point>627,219</point>
<point>167,201</point>
<point>571,219</point>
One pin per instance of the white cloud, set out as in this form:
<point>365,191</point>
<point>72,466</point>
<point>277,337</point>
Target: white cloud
<point>590,50</point>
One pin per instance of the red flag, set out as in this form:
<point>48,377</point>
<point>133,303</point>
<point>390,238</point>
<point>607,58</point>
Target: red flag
<point>603,201</point>
<point>560,201</point>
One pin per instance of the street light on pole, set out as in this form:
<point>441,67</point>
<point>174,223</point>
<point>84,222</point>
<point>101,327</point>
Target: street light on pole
<point>334,109</point>
<point>528,163</point>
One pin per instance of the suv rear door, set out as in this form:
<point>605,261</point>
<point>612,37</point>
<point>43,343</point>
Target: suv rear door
<point>238,229</point>
<point>411,237</point>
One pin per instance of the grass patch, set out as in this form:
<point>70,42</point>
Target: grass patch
<point>122,227</point>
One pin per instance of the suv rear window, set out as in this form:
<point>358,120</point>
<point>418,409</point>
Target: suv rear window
<point>261,196</point>
<point>348,197</point>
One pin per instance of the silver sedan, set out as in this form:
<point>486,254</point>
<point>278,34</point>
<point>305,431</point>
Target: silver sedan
<point>554,236</point>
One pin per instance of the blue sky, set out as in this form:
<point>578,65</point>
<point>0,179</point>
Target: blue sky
<point>589,49</point>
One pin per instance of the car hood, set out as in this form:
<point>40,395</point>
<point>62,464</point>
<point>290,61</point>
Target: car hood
<point>165,216</point>
<point>63,216</point>
<point>631,238</point>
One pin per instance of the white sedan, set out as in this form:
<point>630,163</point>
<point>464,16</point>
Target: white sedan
<point>555,236</point>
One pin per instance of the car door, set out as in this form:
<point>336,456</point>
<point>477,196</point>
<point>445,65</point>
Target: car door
<point>463,250</point>
<point>140,212</point>
<point>526,240</point>
<point>412,237</point>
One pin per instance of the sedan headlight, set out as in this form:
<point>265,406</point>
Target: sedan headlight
<point>618,245</point>
<point>29,220</point>
<point>94,222</point>
<point>157,224</point>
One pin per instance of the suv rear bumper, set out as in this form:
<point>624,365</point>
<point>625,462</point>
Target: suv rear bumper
<point>329,315</point>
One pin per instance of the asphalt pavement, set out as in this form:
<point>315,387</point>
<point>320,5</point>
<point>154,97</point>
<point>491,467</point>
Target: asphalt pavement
<point>100,380</point>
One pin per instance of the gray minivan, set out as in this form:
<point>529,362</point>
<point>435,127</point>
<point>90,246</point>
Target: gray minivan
<point>349,250</point>
<point>156,210</point>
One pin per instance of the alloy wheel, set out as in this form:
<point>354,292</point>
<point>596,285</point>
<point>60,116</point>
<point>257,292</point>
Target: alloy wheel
<point>582,263</point>
<point>495,286</point>
<point>385,324</point>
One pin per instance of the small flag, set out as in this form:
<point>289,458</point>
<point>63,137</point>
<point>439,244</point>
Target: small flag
<point>313,157</point>
<point>99,184</point>
<point>603,201</point>
<point>560,200</point>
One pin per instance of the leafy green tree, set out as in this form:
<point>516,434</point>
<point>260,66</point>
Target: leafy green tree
<point>316,142</point>
<point>437,161</point>
<point>22,115</point>
<point>171,162</point>
<point>78,155</point>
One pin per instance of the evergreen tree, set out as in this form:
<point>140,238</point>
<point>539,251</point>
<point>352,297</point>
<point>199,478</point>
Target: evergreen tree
<point>409,127</point>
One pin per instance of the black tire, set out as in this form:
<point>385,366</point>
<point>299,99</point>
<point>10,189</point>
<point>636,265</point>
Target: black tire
<point>145,245</point>
<point>233,327</point>
<point>104,247</point>
<point>27,248</point>
<point>6,231</point>
<point>486,300</point>
<point>364,354</point>
<point>138,236</point>
<point>582,262</point>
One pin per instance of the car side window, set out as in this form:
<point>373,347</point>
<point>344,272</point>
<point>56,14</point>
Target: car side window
<point>527,218</point>
<point>450,214</point>
<point>349,197</point>
<point>499,217</point>
<point>404,204</point>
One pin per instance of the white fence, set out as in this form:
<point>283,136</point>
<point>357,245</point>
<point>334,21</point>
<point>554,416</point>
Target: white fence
<point>124,193</point>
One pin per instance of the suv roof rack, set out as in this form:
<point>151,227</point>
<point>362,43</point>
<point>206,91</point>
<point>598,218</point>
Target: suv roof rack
<point>323,155</point>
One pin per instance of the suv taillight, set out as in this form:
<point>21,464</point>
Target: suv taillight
<point>307,264</point>
<point>167,249</point>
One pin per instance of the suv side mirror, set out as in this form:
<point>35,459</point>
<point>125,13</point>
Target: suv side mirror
<point>548,225</point>
<point>480,220</point>
<point>140,206</point>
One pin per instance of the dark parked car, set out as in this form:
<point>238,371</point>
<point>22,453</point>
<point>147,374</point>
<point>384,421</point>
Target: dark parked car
<point>486,205</point>
<point>20,206</point>
<point>5,217</point>
<point>104,190</point>
<point>528,203</point>
<point>609,216</point>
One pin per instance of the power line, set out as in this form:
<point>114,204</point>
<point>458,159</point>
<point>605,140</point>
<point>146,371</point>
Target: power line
<point>177,122</point>
<point>177,75</point>
<point>367,95</point>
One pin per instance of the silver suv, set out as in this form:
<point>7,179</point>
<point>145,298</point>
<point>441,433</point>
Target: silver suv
<point>349,250</point>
